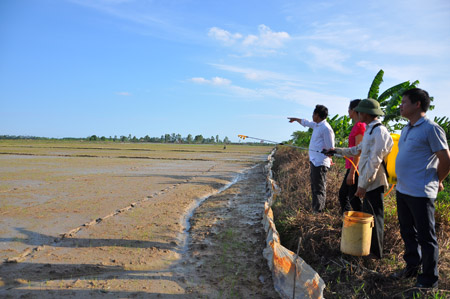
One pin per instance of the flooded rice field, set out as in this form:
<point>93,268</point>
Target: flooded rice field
<point>90,219</point>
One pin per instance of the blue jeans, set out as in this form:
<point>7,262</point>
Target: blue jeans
<point>417,228</point>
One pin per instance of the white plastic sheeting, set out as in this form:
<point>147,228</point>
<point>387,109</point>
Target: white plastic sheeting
<point>292,277</point>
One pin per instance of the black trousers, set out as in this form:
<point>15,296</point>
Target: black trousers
<point>347,196</point>
<point>373,204</point>
<point>318,186</point>
<point>417,228</point>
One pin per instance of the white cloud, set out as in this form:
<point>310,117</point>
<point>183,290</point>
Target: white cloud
<point>382,38</point>
<point>220,81</point>
<point>199,80</point>
<point>120,9</point>
<point>250,40</point>
<point>123,93</point>
<point>284,90</point>
<point>398,72</point>
<point>251,74</point>
<point>224,36</point>
<point>265,42</point>
<point>226,84</point>
<point>267,38</point>
<point>328,58</point>
<point>213,81</point>
<point>339,33</point>
<point>263,75</point>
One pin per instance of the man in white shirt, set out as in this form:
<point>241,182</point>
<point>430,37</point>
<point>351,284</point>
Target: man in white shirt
<point>321,138</point>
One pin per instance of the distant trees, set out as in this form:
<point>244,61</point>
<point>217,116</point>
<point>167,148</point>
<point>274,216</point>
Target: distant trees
<point>302,138</point>
<point>198,139</point>
<point>166,138</point>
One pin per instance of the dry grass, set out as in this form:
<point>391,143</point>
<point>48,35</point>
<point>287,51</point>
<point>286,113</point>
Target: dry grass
<point>345,276</point>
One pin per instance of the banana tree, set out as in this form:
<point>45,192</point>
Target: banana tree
<point>342,126</point>
<point>444,122</point>
<point>390,100</point>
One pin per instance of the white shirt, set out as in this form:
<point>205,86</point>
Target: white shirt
<point>373,149</point>
<point>321,138</point>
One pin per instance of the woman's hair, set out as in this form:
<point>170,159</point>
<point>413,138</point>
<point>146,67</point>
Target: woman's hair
<point>354,103</point>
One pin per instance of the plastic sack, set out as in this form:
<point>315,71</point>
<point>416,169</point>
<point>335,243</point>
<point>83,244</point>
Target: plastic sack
<point>292,276</point>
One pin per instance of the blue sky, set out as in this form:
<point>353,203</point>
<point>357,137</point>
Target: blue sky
<point>74,68</point>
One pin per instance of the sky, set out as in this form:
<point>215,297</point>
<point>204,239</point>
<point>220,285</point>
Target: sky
<point>75,68</point>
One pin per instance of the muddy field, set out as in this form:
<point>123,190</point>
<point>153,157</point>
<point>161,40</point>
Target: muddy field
<point>132,220</point>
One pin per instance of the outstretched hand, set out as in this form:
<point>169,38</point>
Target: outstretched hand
<point>329,152</point>
<point>292,119</point>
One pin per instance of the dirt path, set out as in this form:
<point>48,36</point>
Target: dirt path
<point>141,251</point>
<point>226,243</point>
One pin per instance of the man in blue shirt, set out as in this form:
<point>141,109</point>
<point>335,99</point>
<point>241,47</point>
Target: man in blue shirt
<point>422,163</point>
<point>321,138</point>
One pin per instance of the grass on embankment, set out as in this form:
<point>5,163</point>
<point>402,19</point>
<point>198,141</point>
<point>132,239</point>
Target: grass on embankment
<point>347,276</point>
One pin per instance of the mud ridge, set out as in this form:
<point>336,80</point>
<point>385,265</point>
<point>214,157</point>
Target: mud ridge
<point>109,157</point>
<point>121,157</point>
<point>27,252</point>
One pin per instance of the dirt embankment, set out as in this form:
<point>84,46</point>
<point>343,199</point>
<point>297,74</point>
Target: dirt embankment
<point>320,235</point>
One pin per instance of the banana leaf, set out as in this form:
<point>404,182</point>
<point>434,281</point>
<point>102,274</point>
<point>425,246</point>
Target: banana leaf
<point>375,87</point>
<point>390,91</point>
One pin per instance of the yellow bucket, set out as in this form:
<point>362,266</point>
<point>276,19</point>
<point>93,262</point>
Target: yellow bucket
<point>356,233</point>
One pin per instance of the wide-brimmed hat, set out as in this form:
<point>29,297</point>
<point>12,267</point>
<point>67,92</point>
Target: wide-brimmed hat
<point>369,106</point>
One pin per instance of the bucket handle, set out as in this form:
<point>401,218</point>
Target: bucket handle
<point>372,224</point>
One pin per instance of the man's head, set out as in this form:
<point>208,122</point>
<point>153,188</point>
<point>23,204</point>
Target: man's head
<point>320,113</point>
<point>415,96</point>
<point>368,109</point>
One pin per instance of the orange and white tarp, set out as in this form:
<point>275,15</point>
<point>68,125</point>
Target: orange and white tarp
<point>292,276</point>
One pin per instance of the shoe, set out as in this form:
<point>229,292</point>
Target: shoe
<point>420,290</point>
<point>408,272</point>
<point>433,286</point>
